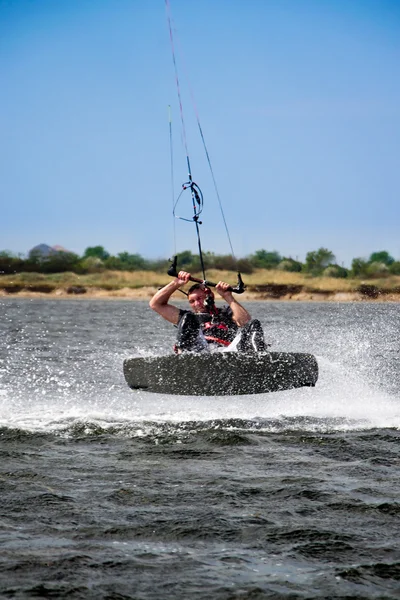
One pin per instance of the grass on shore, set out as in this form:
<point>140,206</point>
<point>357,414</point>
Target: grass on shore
<point>114,280</point>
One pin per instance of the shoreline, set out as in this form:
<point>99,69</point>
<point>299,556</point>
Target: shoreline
<point>145,293</point>
<point>261,285</point>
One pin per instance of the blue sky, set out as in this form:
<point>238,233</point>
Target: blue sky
<point>299,101</point>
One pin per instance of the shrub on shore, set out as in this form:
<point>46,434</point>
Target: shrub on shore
<point>97,260</point>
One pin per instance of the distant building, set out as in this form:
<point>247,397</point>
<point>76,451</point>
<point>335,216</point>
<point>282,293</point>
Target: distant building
<point>44,251</point>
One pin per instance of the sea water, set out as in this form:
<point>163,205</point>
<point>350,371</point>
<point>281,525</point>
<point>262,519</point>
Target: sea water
<point>110,493</point>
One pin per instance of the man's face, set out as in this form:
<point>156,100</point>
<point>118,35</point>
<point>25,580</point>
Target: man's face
<point>197,299</point>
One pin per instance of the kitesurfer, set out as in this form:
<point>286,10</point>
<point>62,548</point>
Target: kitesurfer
<point>205,326</point>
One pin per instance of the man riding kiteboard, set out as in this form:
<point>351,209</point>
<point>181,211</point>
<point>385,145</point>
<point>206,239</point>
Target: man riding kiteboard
<point>206,327</point>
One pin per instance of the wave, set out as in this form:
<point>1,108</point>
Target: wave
<point>234,431</point>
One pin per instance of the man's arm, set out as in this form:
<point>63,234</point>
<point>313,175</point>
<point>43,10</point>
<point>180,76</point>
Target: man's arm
<point>239,313</point>
<point>159,301</point>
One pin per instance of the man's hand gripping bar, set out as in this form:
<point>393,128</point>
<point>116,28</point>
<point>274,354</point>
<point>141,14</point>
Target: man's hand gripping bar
<point>239,289</point>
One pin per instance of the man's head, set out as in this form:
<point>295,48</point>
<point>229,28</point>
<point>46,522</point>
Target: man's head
<point>198,295</point>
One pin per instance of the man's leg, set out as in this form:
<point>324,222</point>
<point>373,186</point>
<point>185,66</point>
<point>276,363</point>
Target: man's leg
<point>252,338</point>
<point>190,337</point>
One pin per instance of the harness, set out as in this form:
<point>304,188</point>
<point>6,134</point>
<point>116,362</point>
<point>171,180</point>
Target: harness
<point>216,330</point>
<point>213,338</point>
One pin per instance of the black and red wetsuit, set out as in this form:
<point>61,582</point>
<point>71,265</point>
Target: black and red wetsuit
<point>217,327</point>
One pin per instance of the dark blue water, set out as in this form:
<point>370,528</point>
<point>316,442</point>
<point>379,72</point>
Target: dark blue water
<point>109,493</point>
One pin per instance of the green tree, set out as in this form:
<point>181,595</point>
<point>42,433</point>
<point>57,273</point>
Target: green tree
<point>59,262</point>
<point>114,264</point>
<point>264,259</point>
<point>377,269</point>
<point>381,257</point>
<point>290,265</point>
<point>359,267</point>
<point>244,266</point>
<point>190,262</point>
<point>10,263</point>
<point>225,262</point>
<point>135,262</point>
<point>92,264</point>
<point>7,254</point>
<point>185,258</point>
<point>160,265</point>
<point>96,252</point>
<point>318,260</point>
<point>335,271</point>
<point>126,262</point>
<point>395,268</point>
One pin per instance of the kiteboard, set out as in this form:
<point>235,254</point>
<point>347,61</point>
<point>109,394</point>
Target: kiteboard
<point>221,374</point>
